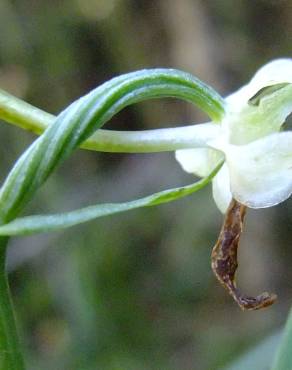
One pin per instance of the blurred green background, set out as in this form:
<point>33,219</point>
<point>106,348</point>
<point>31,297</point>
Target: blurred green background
<point>135,291</point>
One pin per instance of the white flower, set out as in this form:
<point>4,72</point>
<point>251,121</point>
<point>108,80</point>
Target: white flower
<point>258,156</point>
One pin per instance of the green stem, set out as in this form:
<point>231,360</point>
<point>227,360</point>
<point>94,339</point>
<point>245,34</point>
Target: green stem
<point>10,355</point>
<point>28,117</point>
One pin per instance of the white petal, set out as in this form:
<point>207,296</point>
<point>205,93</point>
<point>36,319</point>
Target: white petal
<point>221,189</point>
<point>276,71</point>
<point>199,161</point>
<point>261,172</point>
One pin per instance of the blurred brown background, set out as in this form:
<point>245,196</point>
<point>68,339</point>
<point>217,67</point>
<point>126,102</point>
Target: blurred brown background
<point>136,291</point>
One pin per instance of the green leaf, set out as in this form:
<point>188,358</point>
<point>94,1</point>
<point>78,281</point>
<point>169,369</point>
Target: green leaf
<point>283,358</point>
<point>45,223</point>
<point>83,117</point>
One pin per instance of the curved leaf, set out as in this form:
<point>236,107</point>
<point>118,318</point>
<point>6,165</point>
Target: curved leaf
<point>82,118</point>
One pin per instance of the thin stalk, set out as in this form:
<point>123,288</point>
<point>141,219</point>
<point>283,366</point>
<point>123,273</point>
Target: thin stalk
<point>10,354</point>
<point>28,117</point>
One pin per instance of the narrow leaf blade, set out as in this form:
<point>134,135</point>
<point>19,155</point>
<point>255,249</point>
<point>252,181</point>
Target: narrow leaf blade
<point>44,223</point>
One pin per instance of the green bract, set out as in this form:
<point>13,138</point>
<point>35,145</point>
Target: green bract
<point>258,157</point>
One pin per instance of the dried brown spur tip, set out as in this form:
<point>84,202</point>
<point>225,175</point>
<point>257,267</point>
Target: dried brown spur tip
<point>224,259</point>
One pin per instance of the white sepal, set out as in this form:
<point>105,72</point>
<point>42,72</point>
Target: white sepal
<point>261,172</point>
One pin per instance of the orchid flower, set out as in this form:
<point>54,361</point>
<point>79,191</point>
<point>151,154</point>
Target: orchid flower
<point>245,133</point>
<point>258,156</point>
